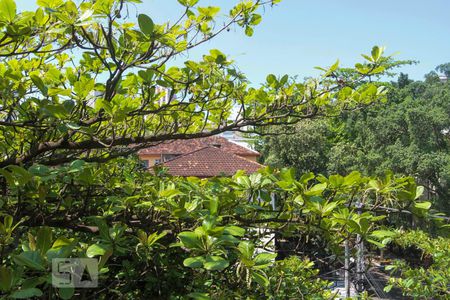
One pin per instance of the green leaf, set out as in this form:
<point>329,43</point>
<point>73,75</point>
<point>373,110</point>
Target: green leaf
<point>66,293</point>
<point>208,12</point>
<point>367,57</point>
<point>376,53</point>
<point>190,240</point>
<point>336,180</point>
<point>353,226</point>
<point>199,296</point>
<point>382,234</point>
<point>6,278</point>
<point>390,267</point>
<point>364,225</point>
<point>27,293</point>
<point>227,238</point>
<point>260,278</point>
<point>423,205</point>
<point>34,282</point>
<point>31,259</point>
<point>142,236</point>
<point>256,19</point>
<point>249,31</point>
<point>409,282</point>
<point>378,244</point>
<point>146,24</point>
<point>154,237</point>
<point>97,249</point>
<point>299,200</point>
<point>263,260</point>
<point>244,181</point>
<point>170,193</point>
<point>7,10</point>
<point>419,192</point>
<point>59,250</point>
<point>388,288</point>
<point>215,263</point>
<point>8,221</point>
<point>22,175</point>
<point>39,84</point>
<point>146,75</point>
<point>73,126</point>
<point>284,80</point>
<point>209,224</point>
<point>44,239</point>
<point>62,252</point>
<point>77,164</point>
<point>8,176</point>
<point>61,242</point>
<point>213,205</point>
<point>271,79</point>
<point>334,67</point>
<point>102,227</point>
<point>53,4</point>
<point>86,15</point>
<point>234,230</point>
<point>352,178</point>
<point>247,249</point>
<point>194,262</point>
<point>378,70</point>
<point>192,2</point>
<point>316,190</point>
<point>39,170</point>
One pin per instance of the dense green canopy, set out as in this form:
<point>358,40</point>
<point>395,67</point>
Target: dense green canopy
<point>82,87</point>
<point>408,135</point>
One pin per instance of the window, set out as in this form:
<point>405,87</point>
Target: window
<point>145,163</point>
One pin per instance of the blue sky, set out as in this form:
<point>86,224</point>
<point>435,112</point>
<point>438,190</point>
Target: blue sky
<point>297,35</point>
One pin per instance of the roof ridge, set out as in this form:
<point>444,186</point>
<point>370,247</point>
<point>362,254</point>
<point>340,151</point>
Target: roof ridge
<point>239,157</point>
<point>246,148</point>
<point>208,161</point>
<point>185,146</point>
<point>185,154</point>
<point>215,148</point>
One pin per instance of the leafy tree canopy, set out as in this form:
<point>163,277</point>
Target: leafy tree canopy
<point>77,79</point>
<point>81,87</point>
<point>408,135</point>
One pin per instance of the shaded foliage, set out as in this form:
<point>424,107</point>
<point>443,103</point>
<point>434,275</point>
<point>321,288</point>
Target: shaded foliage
<point>408,135</point>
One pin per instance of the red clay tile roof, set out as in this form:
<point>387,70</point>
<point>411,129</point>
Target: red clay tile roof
<point>187,146</point>
<point>209,162</point>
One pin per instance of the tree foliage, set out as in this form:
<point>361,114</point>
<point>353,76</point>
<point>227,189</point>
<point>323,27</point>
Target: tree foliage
<point>105,95</point>
<point>427,281</point>
<point>408,135</point>
<point>168,237</point>
<point>307,150</point>
<point>80,88</point>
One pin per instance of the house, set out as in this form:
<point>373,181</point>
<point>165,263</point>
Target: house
<point>202,157</point>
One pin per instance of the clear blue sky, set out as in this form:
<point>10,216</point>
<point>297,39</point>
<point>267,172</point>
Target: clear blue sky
<point>297,35</point>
